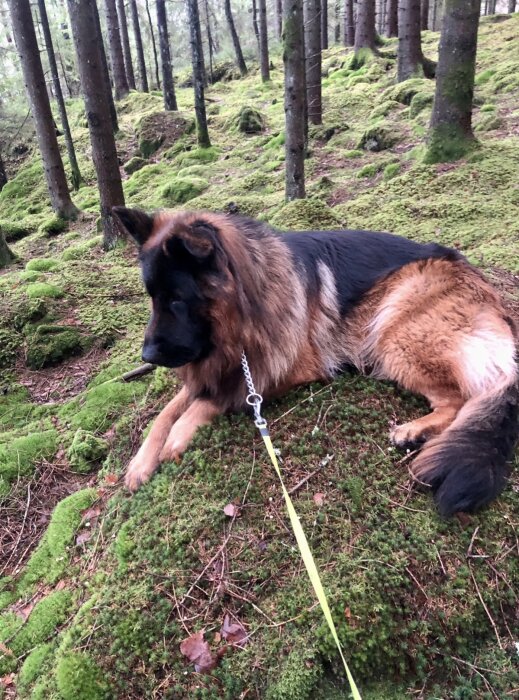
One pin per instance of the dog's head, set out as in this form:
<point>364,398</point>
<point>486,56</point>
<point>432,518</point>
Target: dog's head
<point>178,252</point>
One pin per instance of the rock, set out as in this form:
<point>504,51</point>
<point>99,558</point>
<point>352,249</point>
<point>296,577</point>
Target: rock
<point>160,129</point>
<point>86,451</point>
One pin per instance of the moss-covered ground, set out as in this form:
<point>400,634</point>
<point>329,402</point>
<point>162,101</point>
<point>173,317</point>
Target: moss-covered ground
<point>99,588</point>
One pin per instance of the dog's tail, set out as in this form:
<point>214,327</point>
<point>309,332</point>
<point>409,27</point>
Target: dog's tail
<point>466,465</point>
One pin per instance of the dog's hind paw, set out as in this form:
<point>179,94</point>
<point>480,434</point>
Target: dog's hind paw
<point>407,437</point>
<point>138,473</point>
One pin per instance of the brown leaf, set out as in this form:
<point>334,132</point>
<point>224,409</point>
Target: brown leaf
<point>91,514</point>
<point>26,611</point>
<point>111,479</point>
<point>83,537</point>
<point>7,680</point>
<point>232,510</point>
<point>234,632</point>
<point>5,650</point>
<point>197,650</point>
<point>319,499</point>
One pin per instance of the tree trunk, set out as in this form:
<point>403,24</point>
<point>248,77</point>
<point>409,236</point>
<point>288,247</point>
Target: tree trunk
<point>6,256</point>
<point>294,62</point>
<point>153,46</point>
<point>116,51</point>
<point>105,74</point>
<point>74,167</point>
<point>365,35</point>
<point>209,41</point>
<point>168,86</point>
<point>424,15</point>
<point>255,23</point>
<point>138,44</point>
<point>198,73</point>
<point>410,57</point>
<point>349,24</point>
<point>3,174</point>
<point>264,42</point>
<point>450,133</point>
<point>491,7</point>
<point>235,38</point>
<point>324,24</point>
<point>123,27</point>
<point>104,154</point>
<point>279,18</point>
<point>511,6</point>
<point>312,24</point>
<point>337,25</point>
<point>392,18</point>
<point>27,45</point>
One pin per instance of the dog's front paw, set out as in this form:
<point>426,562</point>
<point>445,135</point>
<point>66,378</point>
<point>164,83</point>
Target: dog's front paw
<point>407,436</point>
<point>139,471</point>
<point>172,451</point>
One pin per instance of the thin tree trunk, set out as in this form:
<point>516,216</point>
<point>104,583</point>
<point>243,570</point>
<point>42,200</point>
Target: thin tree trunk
<point>123,27</point>
<point>410,57</point>
<point>198,73</point>
<point>74,167</point>
<point>104,154</point>
<point>235,38</point>
<point>392,18</point>
<point>153,46</point>
<point>255,24</point>
<point>36,88</point>
<point>450,132</point>
<point>264,42</point>
<point>116,51</point>
<point>349,24</point>
<point>312,23</point>
<point>511,6</point>
<point>105,73</point>
<point>6,256</point>
<point>337,25</point>
<point>365,35</point>
<point>279,18</point>
<point>209,41</point>
<point>324,24</point>
<point>168,86</point>
<point>294,62</point>
<point>138,44</point>
<point>3,174</point>
<point>491,7</point>
<point>424,15</point>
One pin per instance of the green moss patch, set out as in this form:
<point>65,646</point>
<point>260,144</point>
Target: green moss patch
<point>42,264</point>
<point>43,290</point>
<point>33,666</point>
<point>198,155</point>
<point>377,138</point>
<point>303,214</point>
<point>19,455</point>
<point>248,120</point>
<point>53,226</point>
<point>86,451</point>
<point>181,189</point>
<point>136,163</point>
<point>79,678</point>
<point>13,232</point>
<point>160,128</point>
<point>50,345</point>
<point>95,410</point>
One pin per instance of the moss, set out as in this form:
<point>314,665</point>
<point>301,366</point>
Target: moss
<point>198,155</point>
<point>13,232</point>
<point>181,189</point>
<point>79,678</point>
<point>33,666</point>
<point>383,109</point>
<point>85,451</point>
<point>377,138</point>
<point>391,170</point>
<point>51,558</point>
<point>136,163</point>
<point>355,153</point>
<point>42,264</point>
<point>53,226</point>
<point>405,91</point>
<point>490,122</point>
<point>488,107</point>
<point>43,290</point>
<point>94,410</point>
<point>447,143</point>
<point>248,120</point>
<point>18,456</point>
<point>302,214</point>
<point>484,76</point>
<point>276,141</point>
<point>158,128</point>
<point>296,679</point>
<point>50,345</point>
<point>9,346</point>
<point>419,102</point>
<point>79,251</point>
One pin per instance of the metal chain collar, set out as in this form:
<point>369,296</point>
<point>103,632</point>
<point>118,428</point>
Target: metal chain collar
<point>253,398</point>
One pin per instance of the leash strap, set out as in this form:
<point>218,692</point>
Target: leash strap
<point>255,400</point>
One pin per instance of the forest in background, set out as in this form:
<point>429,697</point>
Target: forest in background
<point>98,589</point>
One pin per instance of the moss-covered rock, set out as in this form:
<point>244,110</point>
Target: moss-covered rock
<point>77,252</point>
<point>42,264</point>
<point>303,214</point>
<point>160,129</point>
<point>13,232</point>
<point>391,170</point>
<point>50,345</point>
<point>53,226</point>
<point>79,678</point>
<point>197,155</point>
<point>33,666</point>
<point>43,290</point>
<point>489,122</point>
<point>405,91</point>
<point>248,120</point>
<point>9,346</point>
<point>86,451</point>
<point>377,138</point>
<point>419,102</point>
<point>95,409</point>
<point>19,455</point>
<point>383,109</point>
<point>134,164</point>
<point>181,189</point>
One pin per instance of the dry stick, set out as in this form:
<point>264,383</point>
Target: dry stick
<point>469,550</point>
<point>486,609</point>
<point>304,480</point>
<point>138,372</point>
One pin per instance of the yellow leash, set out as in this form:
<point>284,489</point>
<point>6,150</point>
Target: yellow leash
<point>254,399</point>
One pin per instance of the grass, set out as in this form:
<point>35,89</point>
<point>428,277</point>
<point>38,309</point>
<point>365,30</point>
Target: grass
<point>102,615</point>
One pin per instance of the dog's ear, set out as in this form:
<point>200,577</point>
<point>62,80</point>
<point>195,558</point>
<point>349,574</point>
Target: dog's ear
<point>200,240</point>
<point>134,222</point>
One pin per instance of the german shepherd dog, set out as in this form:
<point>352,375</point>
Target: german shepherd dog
<point>302,306</point>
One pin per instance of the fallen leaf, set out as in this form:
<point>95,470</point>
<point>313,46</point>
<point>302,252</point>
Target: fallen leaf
<point>91,514</point>
<point>26,611</point>
<point>347,613</point>
<point>5,650</point>
<point>319,499</point>
<point>232,510</point>
<point>83,537</point>
<point>7,680</point>
<point>217,638</point>
<point>234,632</point>
<point>197,650</point>
<point>111,479</point>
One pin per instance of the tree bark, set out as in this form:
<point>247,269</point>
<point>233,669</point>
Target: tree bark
<point>491,7</point>
<point>324,24</point>
<point>450,132</point>
<point>116,51</point>
<point>127,54</point>
<point>6,256</point>
<point>105,74</point>
<point>255,24</point>
<point>168,86</point>
<point>209,41</point>
<point>279,18</point>
<point>36,88</point>
<point>410,57</point>
<point>424,15</point>
<point>294,62</point>
<point>264,42</point>
<point>198,73</point>
<point>312,24</point>
<point>138,44</point>
<point>349,24</point>
<point>511,6</point>
<point>3,174</point>
<point>392,18</point>
<point>104,154</point>
<point>153,46</point>
<point>240,61</point>
<point>337,24</point>
<point>74,167</point>
<point>365,34</point>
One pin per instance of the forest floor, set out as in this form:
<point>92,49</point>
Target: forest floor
<point>99,588</point>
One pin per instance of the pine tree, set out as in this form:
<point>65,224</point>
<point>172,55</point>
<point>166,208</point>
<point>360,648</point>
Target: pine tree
<point>116,51</point>
<point>313,36</point>
<point>240,61</point>
<point>197,59</point>
<point>168,86</point>
<point>125,39</point>
<point>392,18</point>
<point>264,42</point>
<point>153,45</point>
<point>138,43</point>
<point>324,24</point>
<point>349,24</point>
<point>365,34</point>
